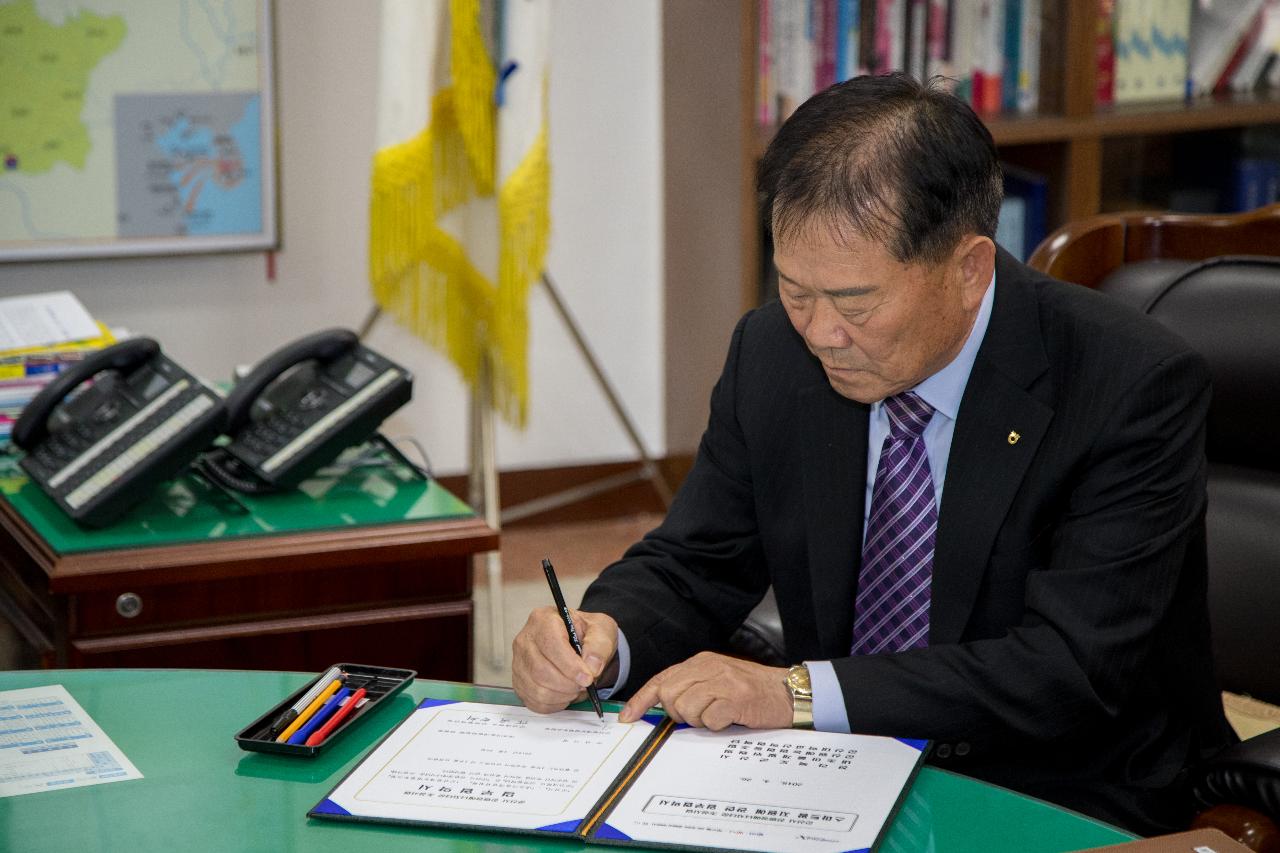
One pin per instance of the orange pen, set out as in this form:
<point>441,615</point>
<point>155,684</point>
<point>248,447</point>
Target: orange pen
<point>283,737</point>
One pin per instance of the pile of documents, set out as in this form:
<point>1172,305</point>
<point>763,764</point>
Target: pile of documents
<point>40,336</point>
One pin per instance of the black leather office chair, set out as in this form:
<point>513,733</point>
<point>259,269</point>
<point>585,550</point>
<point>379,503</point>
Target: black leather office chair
<point>760,637</point>
<point>1228,308</point>
<point>1215,281</point>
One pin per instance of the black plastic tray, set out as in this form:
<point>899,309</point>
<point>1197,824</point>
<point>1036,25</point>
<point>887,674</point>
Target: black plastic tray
<point>380,684</point>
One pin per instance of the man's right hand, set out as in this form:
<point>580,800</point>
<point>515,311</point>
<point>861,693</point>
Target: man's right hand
<point>546,672</point>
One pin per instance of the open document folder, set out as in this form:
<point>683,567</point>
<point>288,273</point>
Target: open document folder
<point>652,782</point>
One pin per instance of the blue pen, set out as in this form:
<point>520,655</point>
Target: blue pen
<point>318,718</point>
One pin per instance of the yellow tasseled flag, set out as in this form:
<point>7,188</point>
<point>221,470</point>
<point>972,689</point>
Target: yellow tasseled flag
<point>459,212</point>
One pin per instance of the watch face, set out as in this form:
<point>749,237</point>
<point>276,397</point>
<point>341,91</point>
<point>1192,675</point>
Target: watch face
<point>798,680</point>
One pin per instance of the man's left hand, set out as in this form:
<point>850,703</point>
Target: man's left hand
<point>715,691</point>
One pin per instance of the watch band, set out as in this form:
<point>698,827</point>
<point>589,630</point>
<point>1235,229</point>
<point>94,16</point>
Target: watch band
<point>801,690</point>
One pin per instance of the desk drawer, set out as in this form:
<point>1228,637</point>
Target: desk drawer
<point>434,639</point>
<point>130,609</point>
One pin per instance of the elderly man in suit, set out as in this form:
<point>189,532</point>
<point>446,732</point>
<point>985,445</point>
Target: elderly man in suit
<point>978,493</point>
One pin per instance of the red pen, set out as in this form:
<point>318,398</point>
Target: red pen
<point>336,720</point>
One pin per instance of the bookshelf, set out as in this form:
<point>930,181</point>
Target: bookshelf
<point>1072,141</point>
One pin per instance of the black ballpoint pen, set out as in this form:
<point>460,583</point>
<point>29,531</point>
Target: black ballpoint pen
<point>592,692</point>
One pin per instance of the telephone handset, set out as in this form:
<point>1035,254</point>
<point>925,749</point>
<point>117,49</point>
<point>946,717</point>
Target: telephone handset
<point>99,452</point>
<point>306,403</point>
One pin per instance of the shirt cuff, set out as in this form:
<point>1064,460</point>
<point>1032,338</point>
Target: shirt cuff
<point>829,711</point>
<point>624,667</point>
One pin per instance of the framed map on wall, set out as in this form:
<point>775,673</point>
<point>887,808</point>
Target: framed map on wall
<point>135,127</point>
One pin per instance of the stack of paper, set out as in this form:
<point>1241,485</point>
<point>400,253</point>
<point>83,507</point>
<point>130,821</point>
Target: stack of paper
<point>40,335</point>
<point>50,742</point>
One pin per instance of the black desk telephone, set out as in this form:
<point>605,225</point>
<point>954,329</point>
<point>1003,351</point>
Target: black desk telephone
<point>303,405</point>
<point>102,450</point>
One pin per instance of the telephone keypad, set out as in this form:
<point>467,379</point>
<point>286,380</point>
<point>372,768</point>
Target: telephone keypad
<point>278,429</point>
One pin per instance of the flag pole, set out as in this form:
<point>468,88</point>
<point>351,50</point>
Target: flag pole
<point>482,494</point>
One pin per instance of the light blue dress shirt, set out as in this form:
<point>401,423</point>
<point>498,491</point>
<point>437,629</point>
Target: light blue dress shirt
<point>943,391</point>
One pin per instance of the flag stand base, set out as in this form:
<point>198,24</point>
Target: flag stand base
<point>646,470</point>
<point>482,482</point>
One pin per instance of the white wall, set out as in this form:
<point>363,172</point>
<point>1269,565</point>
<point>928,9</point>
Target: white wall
<point>212,312</point>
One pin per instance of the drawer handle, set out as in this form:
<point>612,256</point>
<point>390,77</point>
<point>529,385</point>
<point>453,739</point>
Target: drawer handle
<point>129,604</point>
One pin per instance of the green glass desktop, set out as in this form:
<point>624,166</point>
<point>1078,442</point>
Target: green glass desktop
<point>199,791</point>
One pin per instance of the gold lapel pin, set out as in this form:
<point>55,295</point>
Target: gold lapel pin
<point>1013,437</point>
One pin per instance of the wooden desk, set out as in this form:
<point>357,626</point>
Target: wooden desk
<point>228,587</point>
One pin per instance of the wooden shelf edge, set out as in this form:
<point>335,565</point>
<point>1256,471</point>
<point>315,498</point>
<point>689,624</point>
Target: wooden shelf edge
<point>1204,113</point>
<point>1135,119</point>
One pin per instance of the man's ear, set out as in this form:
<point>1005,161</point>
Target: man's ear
<point>974,261</point>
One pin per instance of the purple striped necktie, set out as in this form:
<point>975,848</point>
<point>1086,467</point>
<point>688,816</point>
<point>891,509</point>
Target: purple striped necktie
<point>892,611</point>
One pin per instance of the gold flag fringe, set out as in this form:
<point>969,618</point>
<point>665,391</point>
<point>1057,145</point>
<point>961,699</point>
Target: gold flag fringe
<point>525,220</point>
<point>473,81</point>
<point>421,274</point>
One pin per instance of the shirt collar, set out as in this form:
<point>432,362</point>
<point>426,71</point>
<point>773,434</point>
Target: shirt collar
<point>944,389</point>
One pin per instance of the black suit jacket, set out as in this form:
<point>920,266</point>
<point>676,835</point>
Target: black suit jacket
<point>1068,645</point>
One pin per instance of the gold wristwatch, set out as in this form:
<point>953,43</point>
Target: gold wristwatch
<point>801,697</point>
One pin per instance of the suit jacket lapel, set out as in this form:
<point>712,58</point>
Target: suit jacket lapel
<point>835,480</point>
<point>987,463</point>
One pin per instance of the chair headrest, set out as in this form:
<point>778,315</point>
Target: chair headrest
<point>1228,309</point>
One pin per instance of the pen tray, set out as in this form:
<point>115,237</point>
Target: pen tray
<point>379,682</point>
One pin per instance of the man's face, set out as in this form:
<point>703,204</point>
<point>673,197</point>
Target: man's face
<point>878,326</point>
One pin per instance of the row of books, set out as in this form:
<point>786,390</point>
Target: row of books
<point>993,50</point>
<point>1024,212</point>
<point>1254,183</point>
<point>1173,49</point>
<point>990,49</point>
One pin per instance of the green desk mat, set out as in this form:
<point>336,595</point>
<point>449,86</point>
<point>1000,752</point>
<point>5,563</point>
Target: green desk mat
<point>364,486</point>
<point>200,792</point>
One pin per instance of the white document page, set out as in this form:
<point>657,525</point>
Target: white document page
<point>472,764</point>
<point>768,790</point>
<point>47,741</point>
<point>43,319</point>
